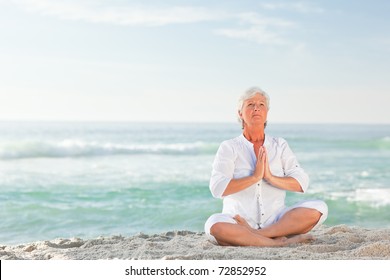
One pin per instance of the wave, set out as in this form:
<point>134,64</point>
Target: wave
<point>381,143</point>
<point>373,197</point>
<point>344,144</point>
<point>79,148</point>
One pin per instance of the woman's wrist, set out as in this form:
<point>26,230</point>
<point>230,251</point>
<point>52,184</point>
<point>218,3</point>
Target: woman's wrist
<point>269,178</point>
<point>255,179</point>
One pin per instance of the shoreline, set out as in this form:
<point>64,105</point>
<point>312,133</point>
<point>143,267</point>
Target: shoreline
<point>339,242</point>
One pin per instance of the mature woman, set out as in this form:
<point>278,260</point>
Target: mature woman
<point>252,173</point>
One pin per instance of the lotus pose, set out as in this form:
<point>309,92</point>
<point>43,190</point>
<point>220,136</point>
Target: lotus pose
<point>252,173</point>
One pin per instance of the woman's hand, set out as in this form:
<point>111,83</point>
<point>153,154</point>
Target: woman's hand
<point>267,171</point>
<point>260,164</point>
<point>262,170</point>
<point>285,183</point>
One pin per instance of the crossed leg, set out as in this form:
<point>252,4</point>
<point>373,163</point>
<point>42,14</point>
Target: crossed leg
<point>294,223</point>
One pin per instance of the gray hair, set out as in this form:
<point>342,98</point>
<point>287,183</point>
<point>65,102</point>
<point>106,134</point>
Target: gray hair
<point>249,93</point>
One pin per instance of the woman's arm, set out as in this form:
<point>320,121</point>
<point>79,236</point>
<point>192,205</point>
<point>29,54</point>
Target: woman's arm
<point>237,185</point>
<point>285,183</point>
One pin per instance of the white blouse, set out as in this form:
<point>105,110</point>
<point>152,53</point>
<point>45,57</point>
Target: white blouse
<point>236,159</point>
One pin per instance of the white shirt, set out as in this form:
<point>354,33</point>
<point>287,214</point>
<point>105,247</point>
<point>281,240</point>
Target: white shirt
<point>261,201</point>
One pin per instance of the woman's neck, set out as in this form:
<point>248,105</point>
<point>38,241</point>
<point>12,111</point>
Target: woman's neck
<point>254,135</point>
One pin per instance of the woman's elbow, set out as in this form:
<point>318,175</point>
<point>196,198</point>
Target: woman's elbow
<point>216,192</point>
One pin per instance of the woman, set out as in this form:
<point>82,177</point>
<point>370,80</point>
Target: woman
<point>252,173</point>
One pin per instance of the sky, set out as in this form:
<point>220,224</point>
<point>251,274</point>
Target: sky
<point>325,61</point>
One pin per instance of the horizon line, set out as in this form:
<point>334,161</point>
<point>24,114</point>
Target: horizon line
<point>186,122</point>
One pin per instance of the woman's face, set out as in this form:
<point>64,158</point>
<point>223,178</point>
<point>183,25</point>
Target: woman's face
<point>254,111</point>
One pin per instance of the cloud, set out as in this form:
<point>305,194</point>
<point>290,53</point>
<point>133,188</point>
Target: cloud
<point>301,7</point>
<point>260,29</point>
<point>250,26</point>
<point>258,34</point>
<point>124,15</point>
<point>257,19</point>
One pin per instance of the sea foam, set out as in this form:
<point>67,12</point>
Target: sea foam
<point>80,148</point>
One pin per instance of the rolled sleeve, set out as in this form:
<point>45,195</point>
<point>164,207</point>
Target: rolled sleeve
<point>223,169</point>
<point>292,168</point>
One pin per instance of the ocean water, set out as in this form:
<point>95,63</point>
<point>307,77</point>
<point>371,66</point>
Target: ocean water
<point>67,179</point>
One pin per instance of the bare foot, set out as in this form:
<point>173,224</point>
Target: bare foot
<point>241,221</point>
<point>281,238</point>
<point>300,238</point>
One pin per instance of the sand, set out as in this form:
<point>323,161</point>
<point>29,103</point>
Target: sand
<point>332,243</point>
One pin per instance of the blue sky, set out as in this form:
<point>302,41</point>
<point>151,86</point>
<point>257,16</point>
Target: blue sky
<point>320,61</point>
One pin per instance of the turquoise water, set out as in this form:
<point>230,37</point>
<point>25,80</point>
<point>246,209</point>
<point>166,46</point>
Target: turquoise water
<point>90,179</point>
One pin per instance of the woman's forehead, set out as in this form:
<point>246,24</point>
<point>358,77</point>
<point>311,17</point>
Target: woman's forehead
<point>256,97</point>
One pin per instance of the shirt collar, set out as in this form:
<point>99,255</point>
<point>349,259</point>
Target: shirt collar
<point>249,144</point>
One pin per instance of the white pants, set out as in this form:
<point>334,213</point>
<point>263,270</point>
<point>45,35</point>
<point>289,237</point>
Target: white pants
<point>319,205</point>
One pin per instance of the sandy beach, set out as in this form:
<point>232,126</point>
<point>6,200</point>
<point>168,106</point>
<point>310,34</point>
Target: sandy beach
<point>332,243</point>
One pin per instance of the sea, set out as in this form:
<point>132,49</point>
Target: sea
<point>92,179</point>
